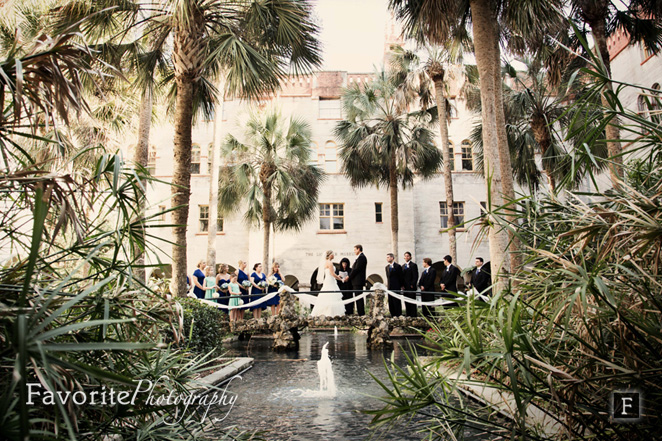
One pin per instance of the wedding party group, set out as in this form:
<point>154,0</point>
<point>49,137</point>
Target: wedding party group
<point>341,287</point>
<point>400,279</point>
<point>228,289</point>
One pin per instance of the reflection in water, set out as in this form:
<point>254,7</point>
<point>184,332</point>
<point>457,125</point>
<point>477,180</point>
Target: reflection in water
<point>271,396</point>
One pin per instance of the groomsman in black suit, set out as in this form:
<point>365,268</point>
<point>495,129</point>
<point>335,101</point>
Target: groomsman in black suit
<point>481,279</point>
<point>410,278</point>
<point>449,276</point>
<point>448,280</point>
<point>394,278</point>
<point>357,278</point>
<point>427,285</point>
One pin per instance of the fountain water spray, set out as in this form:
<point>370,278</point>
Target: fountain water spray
<point>327,381</point>
<point>335,331</point>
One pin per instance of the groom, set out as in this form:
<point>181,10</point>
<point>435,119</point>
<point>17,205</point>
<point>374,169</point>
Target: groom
<point>357,279</point>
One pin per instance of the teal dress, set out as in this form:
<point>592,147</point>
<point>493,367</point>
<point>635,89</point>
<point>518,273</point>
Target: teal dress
<point>233,290</point>
<point>257,294</point>
<point>210,287</point>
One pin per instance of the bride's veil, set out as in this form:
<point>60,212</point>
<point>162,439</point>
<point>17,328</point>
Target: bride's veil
<point>321,268</point>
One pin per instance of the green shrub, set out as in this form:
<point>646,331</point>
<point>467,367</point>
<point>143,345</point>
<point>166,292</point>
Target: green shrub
<point>208,324</point>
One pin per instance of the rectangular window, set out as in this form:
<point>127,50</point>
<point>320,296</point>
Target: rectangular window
<point>219,224</point>
<point>458,212</point>
<point>329,108</point>
<point>332,216</point>
<point>195,159</point>
<point>467,156</point>
<point>151,160</point>
<point>378,212</point>
<point>483,209</point>
<point>162,209</point>
<point>204,218</point>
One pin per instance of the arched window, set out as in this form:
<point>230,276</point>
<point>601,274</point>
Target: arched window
<point>467,156</point>
<point>195,159</point>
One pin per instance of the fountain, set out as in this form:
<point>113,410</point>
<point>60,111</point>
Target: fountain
<point>327,382</point>
<point>335,331</point>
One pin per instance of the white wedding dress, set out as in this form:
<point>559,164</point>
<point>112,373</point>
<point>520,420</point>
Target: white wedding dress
<point>329,304</point>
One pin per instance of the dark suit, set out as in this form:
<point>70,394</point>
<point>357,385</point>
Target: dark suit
<point>449,277</point>
<point>357,279</point>
<point>428,289</point>
<point>481,280</point>
<point>395,281</point>
<point>410,277</point>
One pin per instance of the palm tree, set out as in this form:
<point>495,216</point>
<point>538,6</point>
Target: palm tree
<point>250,44</point>
<point>415,76</point>
<point>641,21</point>
<point>382,144</point>
<point>270,171</point>
<point>436,23</point>
<point>532,107</point>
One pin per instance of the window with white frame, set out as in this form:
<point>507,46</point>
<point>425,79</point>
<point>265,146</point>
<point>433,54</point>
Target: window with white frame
<point>151,160</point>
<point>458,213</point>
<point>162,213</point>
<point>467,155</point>
<point>195,159</point>
<point>203,218</point>
<point>332,216</point>
<point>329,108</point>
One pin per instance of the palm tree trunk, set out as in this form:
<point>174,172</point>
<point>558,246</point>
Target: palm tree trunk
<point>544,139</point>
<point>141,157</point>
<point>484,33</point>
<point>181,189</point>
<point>213,207</point>
<point>512,260</point>
<point>187,56</point>
<point>266,221</point>
<point>393,190</point>
<point>616,170</point>
<point>448,176</point>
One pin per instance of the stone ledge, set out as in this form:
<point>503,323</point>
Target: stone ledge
<point>238,365</point>
<point>501,401</point>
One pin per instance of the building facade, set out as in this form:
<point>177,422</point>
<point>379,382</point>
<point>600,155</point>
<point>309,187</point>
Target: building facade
<point>346,216</point>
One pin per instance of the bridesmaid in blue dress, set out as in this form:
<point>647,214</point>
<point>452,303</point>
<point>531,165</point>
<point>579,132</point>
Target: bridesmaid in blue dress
<point>257,293</point>
<point>274,302</point>
<point>199,280</point>
<point>221,278</point>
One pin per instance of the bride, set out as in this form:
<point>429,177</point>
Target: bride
<point>328,304</point>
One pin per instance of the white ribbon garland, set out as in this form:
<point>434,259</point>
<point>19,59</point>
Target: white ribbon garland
<point>308,299</point>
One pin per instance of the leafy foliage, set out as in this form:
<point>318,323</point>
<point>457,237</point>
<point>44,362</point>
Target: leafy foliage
<point>204,326</point>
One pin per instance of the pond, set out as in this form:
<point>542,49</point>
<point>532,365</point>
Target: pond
<point>280,394</point>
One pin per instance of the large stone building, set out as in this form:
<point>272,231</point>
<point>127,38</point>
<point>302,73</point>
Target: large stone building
<point>346,216</point>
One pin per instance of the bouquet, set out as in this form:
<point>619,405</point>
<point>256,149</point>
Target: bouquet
<point>215,295</point>
<point>224,286</point>
<point>272,281</point>
<point>246,284</point>
<point>279,283</point>
<point>262,284</point>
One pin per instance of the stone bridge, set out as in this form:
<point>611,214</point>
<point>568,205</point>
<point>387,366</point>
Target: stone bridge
<point>286,326</point>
